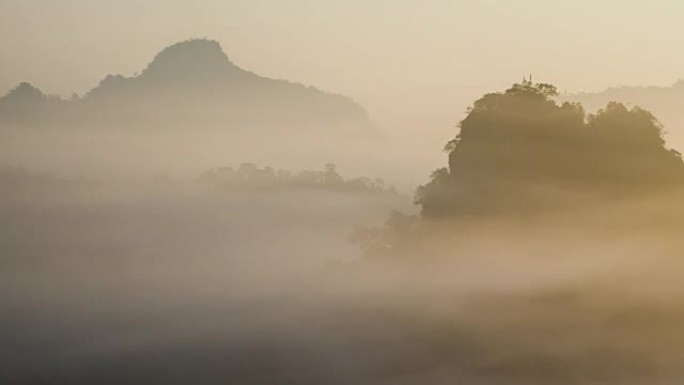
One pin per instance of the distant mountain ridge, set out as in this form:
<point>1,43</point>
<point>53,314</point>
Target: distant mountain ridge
<point>666,103</point>
<point>191,84</point>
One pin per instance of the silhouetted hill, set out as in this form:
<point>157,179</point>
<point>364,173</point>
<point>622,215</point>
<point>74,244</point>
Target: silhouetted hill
<point>521,151</point>
<point>195,66</point>
<point>665,103</point>
<point>193,85</point>
<point>522,158</point>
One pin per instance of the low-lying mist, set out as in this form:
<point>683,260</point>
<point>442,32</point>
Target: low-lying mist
<point>176,282</point>
<point>94,272</point>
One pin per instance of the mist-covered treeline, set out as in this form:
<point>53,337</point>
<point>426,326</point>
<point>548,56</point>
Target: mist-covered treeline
<point>252,178</point>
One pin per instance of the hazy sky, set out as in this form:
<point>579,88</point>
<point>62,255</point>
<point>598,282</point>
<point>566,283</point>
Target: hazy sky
<point>409,62</point>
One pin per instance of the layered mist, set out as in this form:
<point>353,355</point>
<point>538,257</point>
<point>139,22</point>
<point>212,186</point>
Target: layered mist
<point>159,283</point>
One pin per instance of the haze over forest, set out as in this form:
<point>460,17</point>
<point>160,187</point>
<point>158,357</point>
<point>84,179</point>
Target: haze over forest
<point>228,192</point>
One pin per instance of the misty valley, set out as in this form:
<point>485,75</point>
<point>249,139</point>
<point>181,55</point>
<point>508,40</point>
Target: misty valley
<point>197,223</point>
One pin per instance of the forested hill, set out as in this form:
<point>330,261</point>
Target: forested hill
<point>521,150</point>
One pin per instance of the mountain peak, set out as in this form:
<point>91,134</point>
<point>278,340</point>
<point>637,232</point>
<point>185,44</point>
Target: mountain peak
<point>194,83</point>
<point>195,56</point>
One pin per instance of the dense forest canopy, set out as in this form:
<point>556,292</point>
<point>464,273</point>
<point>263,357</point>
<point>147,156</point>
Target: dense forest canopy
<point>519,149</point>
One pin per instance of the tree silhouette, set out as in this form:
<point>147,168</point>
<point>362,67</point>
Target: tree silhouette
<point>250,177</point>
